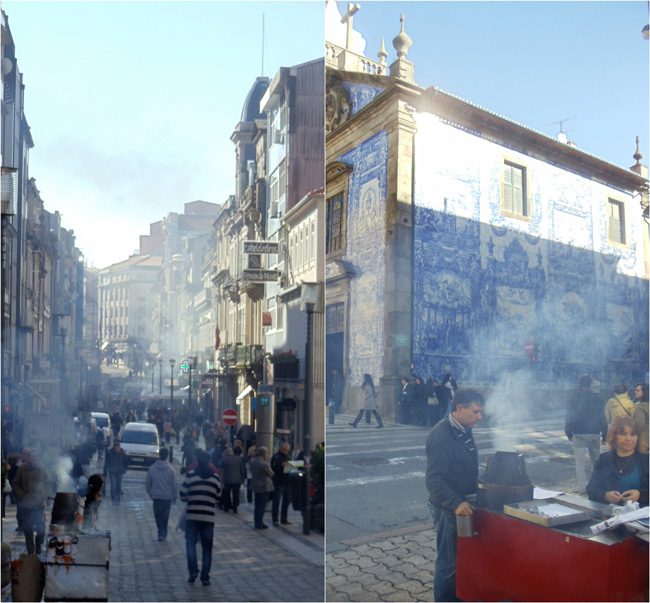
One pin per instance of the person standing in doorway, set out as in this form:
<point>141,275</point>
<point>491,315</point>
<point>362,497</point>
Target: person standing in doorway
<point>369,404</point>
<point>586,428</point>
<point>161,487</point>
<point>452,482</point>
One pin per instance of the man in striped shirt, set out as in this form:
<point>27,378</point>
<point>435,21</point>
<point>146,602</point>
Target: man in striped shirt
<point>200,490</point>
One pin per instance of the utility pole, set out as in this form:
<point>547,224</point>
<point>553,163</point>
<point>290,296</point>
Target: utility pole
<point>172,362</point>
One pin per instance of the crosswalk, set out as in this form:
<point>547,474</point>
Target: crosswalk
<point>375,477</point>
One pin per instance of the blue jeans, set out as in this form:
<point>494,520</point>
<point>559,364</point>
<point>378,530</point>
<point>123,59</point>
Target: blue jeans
<point>33,524</point>
<point>193,531</point>
<point>116,486</point>
<point>261,498</point>
<point>161,509</point>
<point>281,491</point>
<point>444,578</point>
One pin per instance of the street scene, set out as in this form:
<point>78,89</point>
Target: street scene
<point>486,304</point>
<point>383,547</point>
<point>162,301</point>
<point>247,565</point>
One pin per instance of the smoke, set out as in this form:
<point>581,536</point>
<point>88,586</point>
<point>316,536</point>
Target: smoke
<point>62,469</point>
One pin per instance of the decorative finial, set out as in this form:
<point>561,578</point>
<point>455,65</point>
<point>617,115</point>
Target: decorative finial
<point>402,42</point>
<point>637,155</point>
<point>382,54</point>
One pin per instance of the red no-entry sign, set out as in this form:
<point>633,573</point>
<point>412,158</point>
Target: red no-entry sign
<point>229,416</point>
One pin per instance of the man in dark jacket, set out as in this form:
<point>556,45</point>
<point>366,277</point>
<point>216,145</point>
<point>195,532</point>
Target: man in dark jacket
<point>115,466</point>
<point>405,402</point>
<point>586,427</point>
<point>452,482</point>
<point>281,488</point>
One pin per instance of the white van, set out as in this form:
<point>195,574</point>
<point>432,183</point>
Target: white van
<point>140,442</point>
<point>102,420</point>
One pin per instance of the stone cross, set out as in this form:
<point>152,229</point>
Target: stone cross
<point>347,18</point>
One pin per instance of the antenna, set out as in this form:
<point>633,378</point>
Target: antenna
<point>262,45</point>
<point>560,122</point>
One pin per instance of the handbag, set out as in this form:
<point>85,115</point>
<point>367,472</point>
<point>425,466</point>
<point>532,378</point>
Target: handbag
<point>6,489</point>
<point>180,524</point>
<point>432,400</point>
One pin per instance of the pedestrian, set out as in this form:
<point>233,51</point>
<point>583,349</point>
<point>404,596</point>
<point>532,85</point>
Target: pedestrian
<point>32,485</point>
<point>261,485</point>
<point>6,487</point>
<point>161,487</point>
<point>433,404</point>
<point>251,453</point>
<point>280,462</point>
<point>585,426</point>
<point>621,405</point>
<point>640,415</point>
<point>420,402</point>
<point>116,423</point>
<point>92,501</point>
<point>369,403</point>
<point>200,490</point>
<point>115,466</point>
<point>405,402</point>
<point>233,474</point>
<point>445,393</point>
<point>452,482</point>
<point>100,442</point>
<point>336,385</point>
<point>621,474</point>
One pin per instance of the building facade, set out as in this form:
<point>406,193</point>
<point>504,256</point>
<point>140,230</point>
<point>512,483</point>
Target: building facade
<point>458,241</point>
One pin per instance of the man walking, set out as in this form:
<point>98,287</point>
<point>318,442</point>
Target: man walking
<point>31,486</point>
<point>452,482</point>
<point>586,427</point>
<point>161,488</point>
<point>200,490</point>
<point>115,466</point>
<point>281,488</point>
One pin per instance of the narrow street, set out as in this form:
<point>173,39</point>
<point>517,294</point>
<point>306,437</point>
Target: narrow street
<point>379,533</point>
<point>279,564</point>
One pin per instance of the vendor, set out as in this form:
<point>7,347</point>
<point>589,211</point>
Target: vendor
<point>621,474</point>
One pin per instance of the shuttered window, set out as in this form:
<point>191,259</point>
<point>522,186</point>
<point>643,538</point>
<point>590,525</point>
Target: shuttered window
<point>514,189</point>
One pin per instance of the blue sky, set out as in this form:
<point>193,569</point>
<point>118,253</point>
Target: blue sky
<point>131,104</point>
<point>532,62</point>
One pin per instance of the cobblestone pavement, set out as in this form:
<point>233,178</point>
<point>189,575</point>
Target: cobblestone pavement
<point>395,566</point>
<point>278,564</point>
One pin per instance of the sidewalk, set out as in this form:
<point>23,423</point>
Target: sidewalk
<point>393,566</point>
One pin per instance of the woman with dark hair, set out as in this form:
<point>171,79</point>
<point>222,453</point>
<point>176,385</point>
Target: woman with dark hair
<point>640,414</point>
<point>621,474</point>
<point>369,401</point>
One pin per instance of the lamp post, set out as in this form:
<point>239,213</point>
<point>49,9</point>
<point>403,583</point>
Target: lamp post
<point>153,373</point>
<point>172,362</point>
<point>309,298</point>
<point>159,376</point>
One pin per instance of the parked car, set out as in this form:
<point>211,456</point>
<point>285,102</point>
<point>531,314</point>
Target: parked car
<point>140,442</point>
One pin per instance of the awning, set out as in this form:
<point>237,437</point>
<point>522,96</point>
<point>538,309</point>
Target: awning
<point>247,390</point>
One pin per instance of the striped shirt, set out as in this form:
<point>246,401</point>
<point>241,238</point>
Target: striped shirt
<point>201,495</point>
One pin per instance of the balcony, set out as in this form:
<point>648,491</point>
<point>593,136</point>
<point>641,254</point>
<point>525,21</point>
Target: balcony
<point>240,356</point>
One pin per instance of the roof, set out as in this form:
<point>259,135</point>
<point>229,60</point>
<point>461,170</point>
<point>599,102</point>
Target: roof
<point>251,109</point>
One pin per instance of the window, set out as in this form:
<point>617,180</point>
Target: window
<point>514,189</point>
<point>616,221</point>
<point>335,224</point>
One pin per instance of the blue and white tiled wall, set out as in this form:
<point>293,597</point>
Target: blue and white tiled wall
<point>366,246</point>
<point>486,284</point>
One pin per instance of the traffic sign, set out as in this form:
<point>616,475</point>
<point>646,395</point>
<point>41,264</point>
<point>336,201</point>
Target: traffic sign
<point>184,366</point>
<point>229,416</point>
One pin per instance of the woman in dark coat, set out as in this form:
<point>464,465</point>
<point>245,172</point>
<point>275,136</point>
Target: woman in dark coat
<point>621,474</point>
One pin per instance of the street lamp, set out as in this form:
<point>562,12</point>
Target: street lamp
<point>159,376</point>
<point>172,362</point>
<point>309,299</point>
